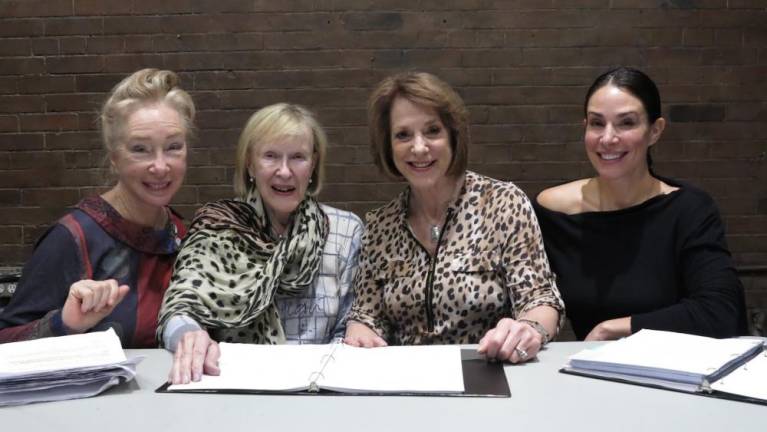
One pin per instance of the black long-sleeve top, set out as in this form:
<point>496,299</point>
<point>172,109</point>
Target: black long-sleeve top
<point>663,262</point>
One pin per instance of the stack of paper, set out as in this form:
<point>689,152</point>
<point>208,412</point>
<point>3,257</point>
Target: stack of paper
<point>60,368</point>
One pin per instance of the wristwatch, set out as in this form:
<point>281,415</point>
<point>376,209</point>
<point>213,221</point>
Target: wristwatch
<point>539,328</point>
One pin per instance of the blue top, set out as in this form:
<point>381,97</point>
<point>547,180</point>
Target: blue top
<point>94,242</point>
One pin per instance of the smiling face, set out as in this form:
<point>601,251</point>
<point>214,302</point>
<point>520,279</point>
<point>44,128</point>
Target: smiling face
<point>618,133</point>
<point>420,144</point>
<point>281,170</point>
<point>150,158</point>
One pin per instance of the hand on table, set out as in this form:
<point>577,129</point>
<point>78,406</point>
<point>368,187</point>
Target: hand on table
<point>511,340</point>
<point>360,335</point>
<point>196,354</point>
<point>610,330</point>
<point>89,302</point>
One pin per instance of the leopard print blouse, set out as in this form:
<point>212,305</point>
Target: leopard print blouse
<point>489,264</point>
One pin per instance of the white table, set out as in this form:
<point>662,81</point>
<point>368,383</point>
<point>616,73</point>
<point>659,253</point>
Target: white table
<point>542,400</point>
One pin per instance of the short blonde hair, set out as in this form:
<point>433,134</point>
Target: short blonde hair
<point>269,124</point>
<point>425,89</point>
<point>143,88</point>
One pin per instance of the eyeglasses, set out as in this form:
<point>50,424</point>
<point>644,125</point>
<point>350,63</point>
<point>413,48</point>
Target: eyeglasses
<point>273,160</point>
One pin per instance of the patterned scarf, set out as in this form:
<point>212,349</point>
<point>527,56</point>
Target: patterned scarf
<point>230,268</point>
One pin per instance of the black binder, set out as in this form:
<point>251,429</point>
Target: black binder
<point>480,377</point>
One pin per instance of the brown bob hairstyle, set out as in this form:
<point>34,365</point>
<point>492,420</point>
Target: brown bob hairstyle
<point>424,89</point>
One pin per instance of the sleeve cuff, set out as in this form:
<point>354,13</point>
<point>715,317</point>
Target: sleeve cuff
<point>56,324</point>
<point>369,321</point>
<point>177,326</point>
<point>552,302</point>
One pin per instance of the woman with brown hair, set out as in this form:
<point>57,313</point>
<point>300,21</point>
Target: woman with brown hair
<point>457,257</point>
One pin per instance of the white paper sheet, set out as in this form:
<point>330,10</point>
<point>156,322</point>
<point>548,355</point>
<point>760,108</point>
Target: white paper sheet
<point>749,380</point>
<point>404,369</point>
<point>262,367</point>
<point>60,353</point>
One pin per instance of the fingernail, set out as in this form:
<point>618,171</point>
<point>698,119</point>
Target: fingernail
<point>196,376</point>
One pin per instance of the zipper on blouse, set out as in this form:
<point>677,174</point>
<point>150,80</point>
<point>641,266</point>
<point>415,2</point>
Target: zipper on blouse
<point>430,276</point>
<point>430,291</point>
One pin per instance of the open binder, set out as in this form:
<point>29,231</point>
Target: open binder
<point>726,368</point>
<point>339,369</point>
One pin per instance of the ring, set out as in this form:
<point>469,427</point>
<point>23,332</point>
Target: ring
<point>521,353</point>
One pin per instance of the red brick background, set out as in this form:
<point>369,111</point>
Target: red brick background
<point>522,67</point>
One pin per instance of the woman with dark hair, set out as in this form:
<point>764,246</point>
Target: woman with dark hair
<point>631,249</point>
<point>457,257</point>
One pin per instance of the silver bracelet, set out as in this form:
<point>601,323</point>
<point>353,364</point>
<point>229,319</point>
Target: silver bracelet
<point>539,328</point>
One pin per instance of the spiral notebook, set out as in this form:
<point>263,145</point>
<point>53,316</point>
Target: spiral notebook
<point>729,368</point>
<point>339,369</point>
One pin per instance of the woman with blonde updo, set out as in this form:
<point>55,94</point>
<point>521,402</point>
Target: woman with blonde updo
<point>107,263</point>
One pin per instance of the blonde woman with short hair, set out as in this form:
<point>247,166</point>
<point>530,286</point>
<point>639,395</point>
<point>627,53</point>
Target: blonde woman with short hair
<point>272,265</point>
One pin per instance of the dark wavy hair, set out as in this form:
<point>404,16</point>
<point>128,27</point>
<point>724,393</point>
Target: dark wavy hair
<point>638,84</point>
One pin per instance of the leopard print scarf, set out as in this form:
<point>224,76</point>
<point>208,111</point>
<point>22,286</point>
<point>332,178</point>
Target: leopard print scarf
<point>230,268</point>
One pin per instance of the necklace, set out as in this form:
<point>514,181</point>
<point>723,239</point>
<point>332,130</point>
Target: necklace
<point>277,235</point>
<point>435,231</point>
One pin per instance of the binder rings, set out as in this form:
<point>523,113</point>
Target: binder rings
<point>725,368</point>
<point>339,369</point>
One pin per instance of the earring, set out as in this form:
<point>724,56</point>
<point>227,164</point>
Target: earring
<point>250,179</point>
<point>310,180</point>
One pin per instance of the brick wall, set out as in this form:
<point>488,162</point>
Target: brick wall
<point>522,67</point>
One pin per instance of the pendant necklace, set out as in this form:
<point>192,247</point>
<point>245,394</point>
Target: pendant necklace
<point>435,232</point>
<point>277,236</point>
